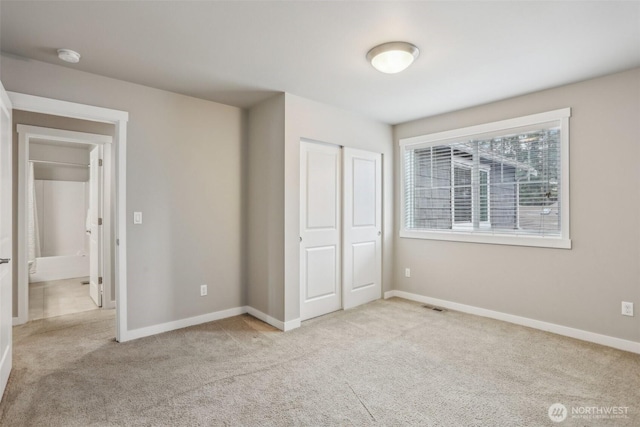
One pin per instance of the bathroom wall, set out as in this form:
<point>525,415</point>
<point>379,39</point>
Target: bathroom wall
<point>56,153</point>
<point>62,211</point>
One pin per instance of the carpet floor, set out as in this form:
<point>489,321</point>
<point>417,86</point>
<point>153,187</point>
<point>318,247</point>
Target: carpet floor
<point>388,363</point>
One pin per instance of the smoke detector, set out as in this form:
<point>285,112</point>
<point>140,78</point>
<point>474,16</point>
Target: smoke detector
<point>69,55</point>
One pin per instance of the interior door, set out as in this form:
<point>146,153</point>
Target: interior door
<point>320,227</point>
<point>6,291</point>
<point>95,219</point>
<point>362,227</point>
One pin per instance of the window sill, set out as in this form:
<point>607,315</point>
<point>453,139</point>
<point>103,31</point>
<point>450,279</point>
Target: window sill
<point>493,239</point>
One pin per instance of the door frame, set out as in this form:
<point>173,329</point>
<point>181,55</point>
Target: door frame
<point>116,151</point>
<point>25,134</point>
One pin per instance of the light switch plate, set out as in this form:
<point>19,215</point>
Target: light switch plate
<point>137,217</point>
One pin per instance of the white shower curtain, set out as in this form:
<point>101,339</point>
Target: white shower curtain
<point>33,237</point>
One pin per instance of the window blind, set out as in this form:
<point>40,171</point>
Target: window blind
<point>505,182</point>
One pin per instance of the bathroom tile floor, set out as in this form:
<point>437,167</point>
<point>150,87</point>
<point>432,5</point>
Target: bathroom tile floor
<point>59,297</point>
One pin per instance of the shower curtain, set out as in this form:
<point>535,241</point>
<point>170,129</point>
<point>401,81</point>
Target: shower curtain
<point>33,237</point>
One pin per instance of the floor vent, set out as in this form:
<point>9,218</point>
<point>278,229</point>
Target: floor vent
<point>438,309</point>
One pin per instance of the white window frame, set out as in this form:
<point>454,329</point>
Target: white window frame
<point>561,117</point>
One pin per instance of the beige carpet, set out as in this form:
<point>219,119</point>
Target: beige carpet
<point>388,363</point>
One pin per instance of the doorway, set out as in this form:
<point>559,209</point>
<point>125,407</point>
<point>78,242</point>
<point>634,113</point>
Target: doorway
<point>340,228</point>
<point>115,186</point>
<point>61,221</point>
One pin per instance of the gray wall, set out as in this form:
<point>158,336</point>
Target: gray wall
<point>189,175</point>
<point>265,202</point>
<point>276,127</point>
<point>582,287</point>
<point>184,173</point>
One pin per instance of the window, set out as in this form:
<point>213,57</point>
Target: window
<point>504,182</point>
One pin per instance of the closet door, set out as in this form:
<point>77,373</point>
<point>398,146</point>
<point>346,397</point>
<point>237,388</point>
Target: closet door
<point>320,229</point>
<point>362,227</point>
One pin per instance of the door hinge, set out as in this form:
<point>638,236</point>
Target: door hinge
<point>99,162</point>
<point>99,221</point>
<point>99,280</point>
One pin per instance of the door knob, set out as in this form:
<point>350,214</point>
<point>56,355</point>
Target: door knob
<point>5,260</point>
<point>379,233</point>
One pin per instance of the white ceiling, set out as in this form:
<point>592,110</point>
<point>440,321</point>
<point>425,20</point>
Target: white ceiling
<point>239,52</point>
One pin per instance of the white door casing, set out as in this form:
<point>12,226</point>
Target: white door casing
<point>320,229</point>
<point>362,247</point>
<point>6,208</point>
<point>95,215</point>
<point>115,185</point>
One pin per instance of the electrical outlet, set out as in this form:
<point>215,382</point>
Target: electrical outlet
<point>203,290</point>
<point>627,308</point>
<point>407,272</point>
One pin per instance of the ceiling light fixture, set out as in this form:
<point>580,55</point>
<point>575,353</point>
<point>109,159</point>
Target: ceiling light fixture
<point>392,57</point>
<point>69,55</point>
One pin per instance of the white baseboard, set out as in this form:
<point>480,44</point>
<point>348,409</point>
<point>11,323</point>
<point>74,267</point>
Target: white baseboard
<point>197,320</point>
<point>266,318</point>
<point>279,324</point>
<point>292,324</point>
<point>209,317</point>
<point>182,323</point>
<point>580,334</point>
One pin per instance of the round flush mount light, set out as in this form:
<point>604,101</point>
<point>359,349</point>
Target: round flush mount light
<point>392,57</point>
<point>69,55</point>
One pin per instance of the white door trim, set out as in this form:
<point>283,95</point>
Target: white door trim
<point>25,134</point>
<point>117,170</point>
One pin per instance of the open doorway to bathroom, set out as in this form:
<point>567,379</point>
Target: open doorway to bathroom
<point>67,269</point>
<point>61,180</point>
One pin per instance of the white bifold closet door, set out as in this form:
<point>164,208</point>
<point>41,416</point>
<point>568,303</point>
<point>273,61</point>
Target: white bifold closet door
<point>340,228</point>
